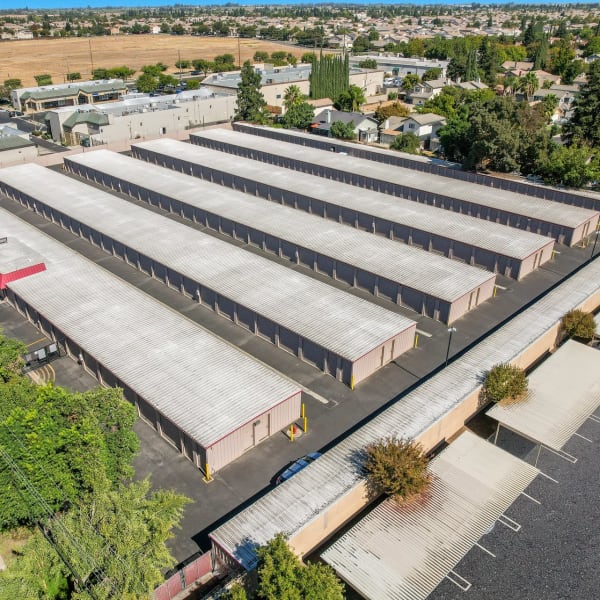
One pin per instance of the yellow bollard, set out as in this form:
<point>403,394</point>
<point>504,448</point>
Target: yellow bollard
<point>495,290</point>
<point>305,425</point>
<point>416,340</point>
<point>352,382</point>
<point>292,432</point>
<point>302,410</point>
<point>207,477</point>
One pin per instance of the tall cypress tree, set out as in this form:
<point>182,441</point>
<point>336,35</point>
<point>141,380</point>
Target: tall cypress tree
<point>329,77</point>
<point>250,100</point>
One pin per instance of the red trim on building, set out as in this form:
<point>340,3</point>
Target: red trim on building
<point>6,278</point>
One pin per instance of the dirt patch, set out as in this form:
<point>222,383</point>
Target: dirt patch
<point>25,58</point>
<point>11,542</point>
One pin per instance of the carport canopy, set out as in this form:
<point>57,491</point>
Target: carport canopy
<point>402,551</point>
<point>564,391</point>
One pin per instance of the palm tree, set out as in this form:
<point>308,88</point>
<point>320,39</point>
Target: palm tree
<point>528,84</point>
<point>293,95</point>
<point>510,84</point>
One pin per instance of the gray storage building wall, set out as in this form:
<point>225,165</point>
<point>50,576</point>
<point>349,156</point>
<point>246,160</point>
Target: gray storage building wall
<point>111,325</point>
<point>495,247</point>
<point>340,252</point>
<point>573,225</point>
<point>398,159</point>
<point>356,327</point>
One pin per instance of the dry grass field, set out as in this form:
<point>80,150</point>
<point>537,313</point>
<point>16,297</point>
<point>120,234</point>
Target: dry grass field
<point>25,58</point>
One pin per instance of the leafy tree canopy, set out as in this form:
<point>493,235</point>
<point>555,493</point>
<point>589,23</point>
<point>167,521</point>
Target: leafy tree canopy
<point>577,323</point>
<point>343,131</point>
<point>281,576</point>
<point>406,142</point>
<point>11,358</point>
<point>351,99</point>
<point>504,381</point>
<point>299,116</point>
<point>250,100</point>
<point>396,467</point>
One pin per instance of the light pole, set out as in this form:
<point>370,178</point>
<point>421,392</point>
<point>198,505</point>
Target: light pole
<point>594,246</point>
<point>451,330</point>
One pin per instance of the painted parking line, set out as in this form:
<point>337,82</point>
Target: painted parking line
<point>36,342</point>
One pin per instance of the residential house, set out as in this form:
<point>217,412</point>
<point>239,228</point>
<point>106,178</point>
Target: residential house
<point>365,128</point>
<point>425,126</point>
<point>425,91</point>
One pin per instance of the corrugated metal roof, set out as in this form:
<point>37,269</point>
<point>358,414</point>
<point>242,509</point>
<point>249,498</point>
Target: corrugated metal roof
<point>15,256</point>
<point>293,505</point>
<point>402,551</point>
<point>521,204</point>
<point>434,275</point>
<point>468,230</point>
<point>334,319</point>
<point>202,384</point>
<point>13,142</point>
<point>563,392</point>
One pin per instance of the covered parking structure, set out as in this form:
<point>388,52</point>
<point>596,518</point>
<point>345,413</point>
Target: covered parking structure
<point>497,248</point>
<point>402,550</point>
<point>563,393</point>
<point>316,502</point>
<point>340,334</point>
<point>566,224</point>
<point>428,284</point>
<point>208,399</point>
<point>421,163</point>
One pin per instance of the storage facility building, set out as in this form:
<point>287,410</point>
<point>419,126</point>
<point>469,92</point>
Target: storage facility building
<point>567,224</point>
<point>313,504</point>
<point>431,285</point>
<point>208,399</point>
<point>342,335</point>
<point>498,248</point>
<point>589,200</point>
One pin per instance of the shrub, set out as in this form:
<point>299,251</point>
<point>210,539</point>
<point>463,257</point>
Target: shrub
<point>504,381</point>
<point>577,323</point>
<point>396,467</point>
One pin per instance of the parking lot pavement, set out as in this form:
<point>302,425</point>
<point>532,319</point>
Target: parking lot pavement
<point>555,555</point>
<point>328,420</point>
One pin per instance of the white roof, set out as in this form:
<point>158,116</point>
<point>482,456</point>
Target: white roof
<point>403,550</point>
<point>15,255</point>
<point>497,238</point>
<point>205,386</point>
<point>331,318</point>
<point>563,392</point>
<point>296,503</point>
<point>520,204</point>
<point>432,274</point>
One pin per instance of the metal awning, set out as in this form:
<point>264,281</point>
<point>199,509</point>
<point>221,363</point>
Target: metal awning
<point>563,392</point>
<point>402,551</point>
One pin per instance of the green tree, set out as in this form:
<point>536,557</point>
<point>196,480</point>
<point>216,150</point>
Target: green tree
<point>361,44</point>
<point>146,83</point>
<point>200,64</point>
<point>11,358</point>
<point>236,592</point>
<point>68,444</point>
<point>167,80</point>
<point>490,60</point>
<point>12,84</point>
<point>250,100</point>
<point>351,99</point>
<point>114,539</point>
<point>396,467</point>
<point>406,142</point>
<point>368,63</point>
<point>471,72</point>
<point>504,381</point>
<point>584,126</point>
<point>432,74</point>
<point>192,84</point>
<point>260,56</point>
<point>308,57</point>
<point>578,323</point>
<point>409,81</point>
<point>396,109</point>
<point>281,576</point>
<point>343,131</point>
<point>573,166</point>
<point>299,116</point>
<point>74,76</point>
<point>43,79</point>
<point>292,96</point>
<point>182,64</point>
<point>528,84</point>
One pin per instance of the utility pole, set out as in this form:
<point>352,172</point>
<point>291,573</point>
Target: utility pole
<point>239,51</point>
